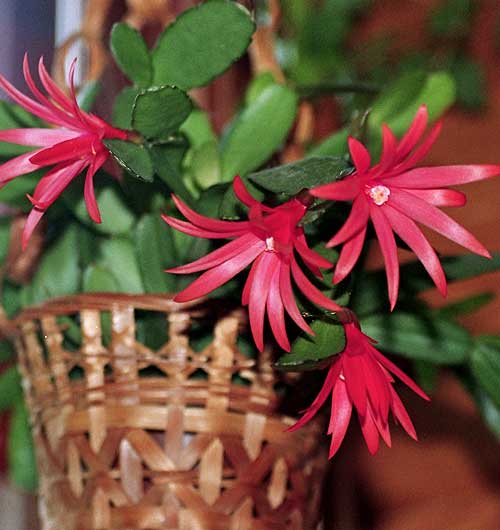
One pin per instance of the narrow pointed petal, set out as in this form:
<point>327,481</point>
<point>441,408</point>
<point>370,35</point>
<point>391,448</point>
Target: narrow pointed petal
<point>388,247</point>
<point>215,225</point>
<point>355,381</point>
<point>340,415</point>
<point>370,431</point>
<point>242,193</point>
<point>20,165</point>
<point>384,361</point>
<point>213,278</point>
<point>310,256</point>
<point>276,311</point>
<point>32,220</point>
<point>440,196</point>
<point>245,295</point>
<point>36,137</point>
<point>402,416</point>
<point>389,144</point>
<point>357,221</point>
<point>192,230</point>
<point>89,192</point>
<point>289,301</point>
<point>414,133</point>
<point>218,256</point>
<point>349,255</point>
<point>259,292</point>
<point>409,232</point>
<point>310,291</point>
<point>359,154</point>
<point>51,185</point>
<point>343,190</point>
<point>312,410</point>
<point>74,148</point>
<point>421,151</point>
<point>53,89</point>
<point>430,216</point>
<point>437,176</point>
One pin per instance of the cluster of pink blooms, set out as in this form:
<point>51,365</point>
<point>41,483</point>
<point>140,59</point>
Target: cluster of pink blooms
<point>394,194</point>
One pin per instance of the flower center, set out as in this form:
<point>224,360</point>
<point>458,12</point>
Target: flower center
<point>270,244</point>
<point>379,194</point>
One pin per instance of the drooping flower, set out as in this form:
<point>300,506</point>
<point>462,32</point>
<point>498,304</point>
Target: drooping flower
<point>396,195</point>
<point>270,238</point>
<point>361,376</point>
<point>71,145</point>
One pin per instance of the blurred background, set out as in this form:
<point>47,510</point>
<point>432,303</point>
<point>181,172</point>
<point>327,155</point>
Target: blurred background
<point>451,479</point>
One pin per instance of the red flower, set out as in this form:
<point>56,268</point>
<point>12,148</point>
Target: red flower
<point>395,194</point>
<point>269,239</point>
<point>361,376</point>
<point>75,143</point>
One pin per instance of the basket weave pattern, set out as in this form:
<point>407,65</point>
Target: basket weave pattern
<point>131,437</point>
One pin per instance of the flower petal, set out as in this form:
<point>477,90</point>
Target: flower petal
<point>213,278</point>
<point>357,220</point>
<point>414,133</point>
<point>388,247</point>
<point>360,155</point>
<point>75,148</point>
<point>430,216</point>
<point>244,196</point>
<point>339,417</point>
<point>402,416</point>
<point>422,150</point>
<point>310,256</point>
<point>342,190</point>
<point>276,311</point>
<point>20,165</point>
<point>370,431</point>
<point>289,301</point>
<point>32,220</point>
<point>259,291</point>
<point>36,137</point>
<point>440,196</point>
<point>89,192</point>
<point>437,176</point>
<point>409,232</point>
<point>309,290</point>
<point>389,145</point>
<point>349,255</point>
<point>192,230</point>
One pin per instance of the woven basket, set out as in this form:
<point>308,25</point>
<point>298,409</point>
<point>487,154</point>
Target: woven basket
<point>131,436</point>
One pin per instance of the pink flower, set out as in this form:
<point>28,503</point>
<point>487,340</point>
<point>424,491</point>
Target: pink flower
<point>361,376</point>
<point>75,143</point>
<point>396,195</point>
<point>269,239</point>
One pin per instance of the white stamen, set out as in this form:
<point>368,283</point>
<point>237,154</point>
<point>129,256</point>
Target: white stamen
<point>379,194</point>
<point>270,243</point>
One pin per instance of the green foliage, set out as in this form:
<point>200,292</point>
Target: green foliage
<point>255,136</point>
<point>212,35</point>
<point>310,352</point>
<point>10,388</point>
<point>20,450</point>
<point>423,336</point>
<point>304,174</point>
<point>132,157</point>
<point>131,54</point>
<point>485,366</point>
<point>158,112</point>
<point>452,19</point>
<point>99,279</point>
<point>88,94</point>
<point>123,107</point>
<point>205,165</point>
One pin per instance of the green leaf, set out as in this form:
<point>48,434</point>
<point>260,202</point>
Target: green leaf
<point>311,351</point>
<point>166,160</point>
<point>123,107</point>
<point>198,129</point>
<point>426,375</point>
<point>419,336</point>
<point>160,111</point>
<point>59,271</point>
<point>452,19</point>
<point>305,174</point>
<point>98,279</point>
<point>133,157</point>
<point>201,44</point>
<point>205,165</point>
<point>334,145</point>
<point>258,85</point>
<point>10,388</point>
<point>156,251</point>
<point>119,255</point>
<point>490,412</point>
<point>14,192</point>
<point>131,54</point>
<point>470,80</point>
<point>485,365</point>
<point>21,451</point>
<point>258,131</point>
<point>466,305</point>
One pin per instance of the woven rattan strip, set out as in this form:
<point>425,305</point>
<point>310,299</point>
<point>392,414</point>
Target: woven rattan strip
<point>130,436</point>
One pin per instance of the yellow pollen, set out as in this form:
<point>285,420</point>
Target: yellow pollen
<point>270,243</point>
<point>379,194</point>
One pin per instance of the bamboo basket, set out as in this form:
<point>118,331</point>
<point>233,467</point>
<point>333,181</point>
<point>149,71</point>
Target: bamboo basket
<point>130,436</point>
